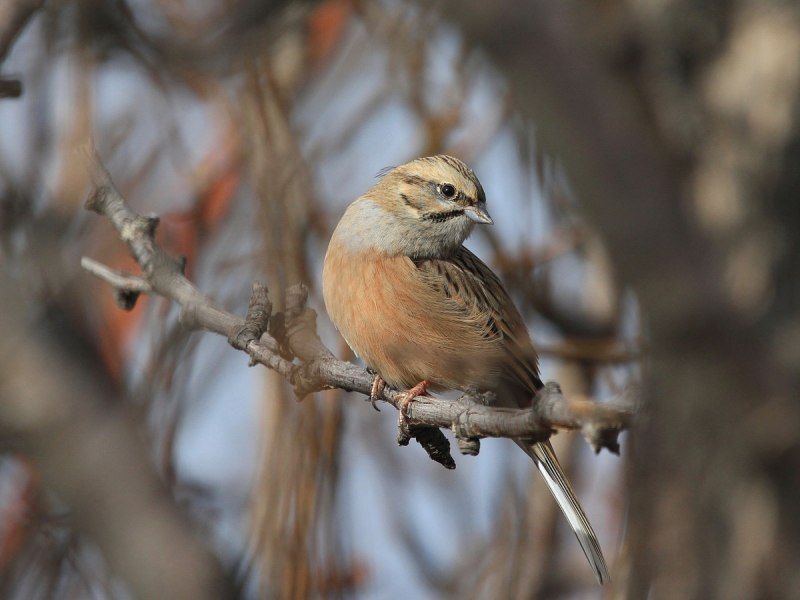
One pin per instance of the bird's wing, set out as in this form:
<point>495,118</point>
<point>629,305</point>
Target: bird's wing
<point>469,289</point>
<point>464,286</point>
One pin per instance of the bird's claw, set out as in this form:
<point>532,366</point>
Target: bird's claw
<point>404,399</point>
<point>377,388</point>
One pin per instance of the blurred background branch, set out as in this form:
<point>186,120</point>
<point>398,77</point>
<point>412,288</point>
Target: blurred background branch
<point>14,15</point>
<point>57,411</point>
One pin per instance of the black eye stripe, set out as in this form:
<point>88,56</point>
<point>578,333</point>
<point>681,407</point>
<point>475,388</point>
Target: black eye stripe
<point>438,217</point>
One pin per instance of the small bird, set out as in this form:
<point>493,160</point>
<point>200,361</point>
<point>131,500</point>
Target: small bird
<point>424,312</point>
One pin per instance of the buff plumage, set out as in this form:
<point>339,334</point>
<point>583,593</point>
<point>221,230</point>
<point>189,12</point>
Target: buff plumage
<point>416,305</point>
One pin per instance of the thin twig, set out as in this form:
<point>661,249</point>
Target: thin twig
<point>118,279</point>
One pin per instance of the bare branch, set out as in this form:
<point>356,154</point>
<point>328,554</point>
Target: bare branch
<point>292,335</point>
<point>126,287</point>
<point>255,324</point>
<point>118,279</point>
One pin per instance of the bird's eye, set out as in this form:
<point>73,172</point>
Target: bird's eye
<point>448,190</point>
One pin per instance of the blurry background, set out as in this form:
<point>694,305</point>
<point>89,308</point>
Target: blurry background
<point>248,127</point>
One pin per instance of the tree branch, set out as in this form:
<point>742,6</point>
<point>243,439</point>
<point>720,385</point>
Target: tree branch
<point>284,338</point>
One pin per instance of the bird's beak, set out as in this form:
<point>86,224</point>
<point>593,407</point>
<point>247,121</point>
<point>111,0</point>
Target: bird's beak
<point>479,215</point>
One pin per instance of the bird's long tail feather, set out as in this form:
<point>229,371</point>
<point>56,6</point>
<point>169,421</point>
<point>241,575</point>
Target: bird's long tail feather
<point>548,465</point>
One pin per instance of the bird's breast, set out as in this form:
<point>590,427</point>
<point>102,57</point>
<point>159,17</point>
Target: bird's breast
<point>392,318</point>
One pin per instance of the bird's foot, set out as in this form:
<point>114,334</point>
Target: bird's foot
<point>377,387</point>
<point>406,398</point>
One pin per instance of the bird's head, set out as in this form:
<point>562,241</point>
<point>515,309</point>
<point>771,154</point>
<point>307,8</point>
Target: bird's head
<point>425,208</point>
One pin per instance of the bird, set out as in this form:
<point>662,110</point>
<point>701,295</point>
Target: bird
<point>424,312</point>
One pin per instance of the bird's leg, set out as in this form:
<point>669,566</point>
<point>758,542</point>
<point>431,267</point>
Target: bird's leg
<point>406,398</point>
<point>377,387</point>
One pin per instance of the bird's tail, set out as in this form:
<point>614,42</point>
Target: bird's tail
<point>547,463</point>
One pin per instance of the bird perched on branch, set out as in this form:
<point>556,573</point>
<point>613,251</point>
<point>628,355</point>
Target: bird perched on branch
<point>423,311</point>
